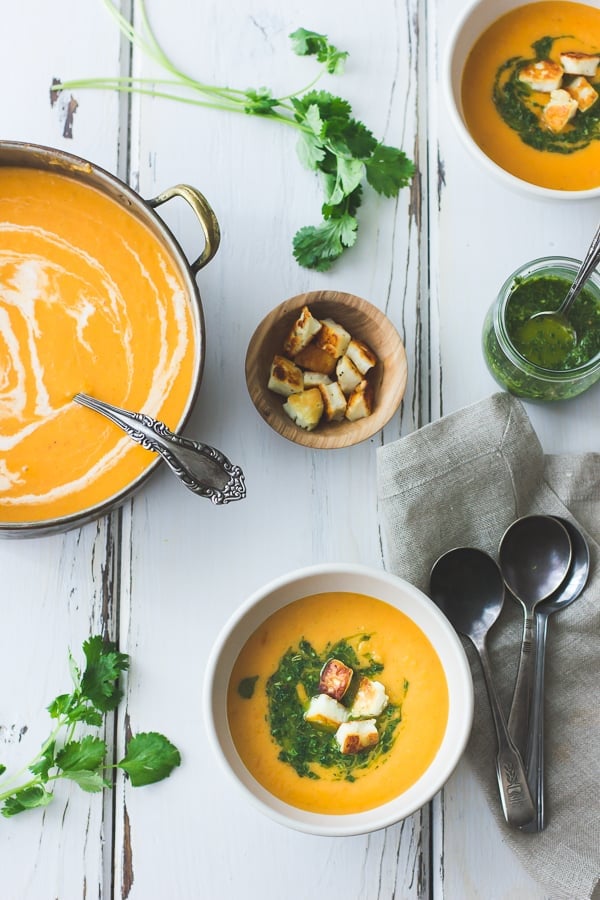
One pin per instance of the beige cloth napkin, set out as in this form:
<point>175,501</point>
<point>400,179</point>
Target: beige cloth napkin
<point>460,482</point>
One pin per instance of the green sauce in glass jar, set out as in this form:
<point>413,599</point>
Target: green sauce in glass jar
<point>537,363</point>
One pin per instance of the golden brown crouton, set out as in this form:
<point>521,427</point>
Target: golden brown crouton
<point>542,75</point>
<point>303,330</point>
<point>361,355</point>
<point>332,338</point>
<point>285,377</point>
<point>315,359</point>
<point>334,401</point>
<point>559,110</point>
<point>360,402</point>
<point>576,63</point>
<point>305,408</point>
<point>582,91</point>
<point>335,678</point>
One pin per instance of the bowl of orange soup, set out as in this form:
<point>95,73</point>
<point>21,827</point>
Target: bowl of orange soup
<point>95,296</point>
<point>339,699</point>
<point>522,87</point>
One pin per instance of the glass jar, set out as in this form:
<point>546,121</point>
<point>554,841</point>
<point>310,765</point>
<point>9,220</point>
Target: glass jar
<point>510,368</point>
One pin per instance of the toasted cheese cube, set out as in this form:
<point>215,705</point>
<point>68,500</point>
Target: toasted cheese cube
<point>582,91</point>
<point>312,379</point>
<point>559,110</point>
<point>575,63</point>
<point>335,678</point>
<point>542,75</point>
<point>352,737</point>
<point>347,374</point>
<point>370,699</point>
<point>305,408</point>
<point>324,710</point>
<point>334,401</point>
<point>285,377</point>
<point>303,330</point>
<point>333,338</point>
<point>360,402</point>
<point>361,355</point>
<point>315,359</point>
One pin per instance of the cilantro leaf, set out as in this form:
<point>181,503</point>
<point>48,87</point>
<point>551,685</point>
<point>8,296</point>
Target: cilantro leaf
<point>328,105</point>
<point>388,169</point>
<point>99,682</point>
<point>311,43</point>
<point>150,757</point>
<point>27,798</point>
<point>46,762</point>
<point>2,769</point>
<point>317,247</point>
<point>260,102</point>
<point>89,781</point>
<point>88,753</point>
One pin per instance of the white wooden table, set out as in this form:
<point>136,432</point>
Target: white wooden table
<point>162,574</point>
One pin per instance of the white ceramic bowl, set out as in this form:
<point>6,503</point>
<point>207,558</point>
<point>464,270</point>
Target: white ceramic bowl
<point>374,583</point>
<point>476,18</point>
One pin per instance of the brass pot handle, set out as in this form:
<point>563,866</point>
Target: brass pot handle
<point>206,217</point>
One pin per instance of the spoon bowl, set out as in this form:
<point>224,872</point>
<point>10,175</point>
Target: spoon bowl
<point>569,591</point>
<point>535,556</point>
<point>553,325</point>
<point>467,585</point>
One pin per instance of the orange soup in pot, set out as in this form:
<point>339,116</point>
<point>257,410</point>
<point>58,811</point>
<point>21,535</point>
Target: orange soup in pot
<point>337,703</point>
<point>526,101</point>
<point>89,301</point>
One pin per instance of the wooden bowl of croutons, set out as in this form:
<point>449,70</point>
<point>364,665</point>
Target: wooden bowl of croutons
<point>326,369</point>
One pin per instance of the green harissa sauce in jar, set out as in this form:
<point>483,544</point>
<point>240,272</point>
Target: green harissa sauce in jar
<point>538,360</point>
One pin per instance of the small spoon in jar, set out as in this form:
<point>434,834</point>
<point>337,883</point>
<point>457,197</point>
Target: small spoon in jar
<point>466,584</point>
<point>201,468</point>
<point>552,327</point>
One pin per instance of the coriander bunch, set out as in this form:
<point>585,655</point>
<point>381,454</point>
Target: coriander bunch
<point>330,140</point>
<point>150,756</point>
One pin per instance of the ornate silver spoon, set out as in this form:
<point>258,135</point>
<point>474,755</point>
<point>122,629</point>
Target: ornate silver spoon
<point>203,469</point>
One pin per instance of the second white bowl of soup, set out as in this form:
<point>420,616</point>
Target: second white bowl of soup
<point>339,699</point>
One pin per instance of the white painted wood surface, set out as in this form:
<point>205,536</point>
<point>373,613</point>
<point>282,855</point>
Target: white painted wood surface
<point>164,573</point>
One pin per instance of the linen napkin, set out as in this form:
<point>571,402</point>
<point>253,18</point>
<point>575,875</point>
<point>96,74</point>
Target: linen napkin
<point>460,482</point>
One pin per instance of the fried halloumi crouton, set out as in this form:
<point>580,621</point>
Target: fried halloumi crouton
<point>361,355</point>
<point>316,359</point>
<point>303,331</point>
<point>334,401</point>
<point>312,379</point>
<point>332,338</point>
<point>335,678</point>
<point>575,63</point>
<point>285,377</point>
<point>581,90</point>
<point>325,710</point>
<point>542,75</point>
<point>347,374</point>
<point>360,402</point>
<point>370,699</point>
<point>559,110</point>
<point>352,737</point>
<point>305,408</point>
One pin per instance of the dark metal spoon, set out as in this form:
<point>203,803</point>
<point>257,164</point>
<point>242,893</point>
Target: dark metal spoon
<point>566,594</point>
<point>467,586</point>
<point>534,556</point>
<point>201,468</point>
<point>558,318</point>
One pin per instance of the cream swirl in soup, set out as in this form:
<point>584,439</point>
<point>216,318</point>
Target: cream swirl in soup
<point>89,301</point>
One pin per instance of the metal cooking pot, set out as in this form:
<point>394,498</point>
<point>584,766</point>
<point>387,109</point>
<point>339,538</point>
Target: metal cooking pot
<point>24,155</point>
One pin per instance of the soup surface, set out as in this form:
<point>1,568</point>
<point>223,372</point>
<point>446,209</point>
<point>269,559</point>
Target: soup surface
<point>89,301</point>
<point>277,673</point>
<point>505,117</point>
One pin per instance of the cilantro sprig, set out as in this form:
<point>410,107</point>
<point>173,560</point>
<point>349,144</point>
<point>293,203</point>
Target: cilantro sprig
<point>331,141</point>
<point>96,691</point>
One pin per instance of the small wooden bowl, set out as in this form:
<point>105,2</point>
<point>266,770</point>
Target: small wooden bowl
<point>365,322</point>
